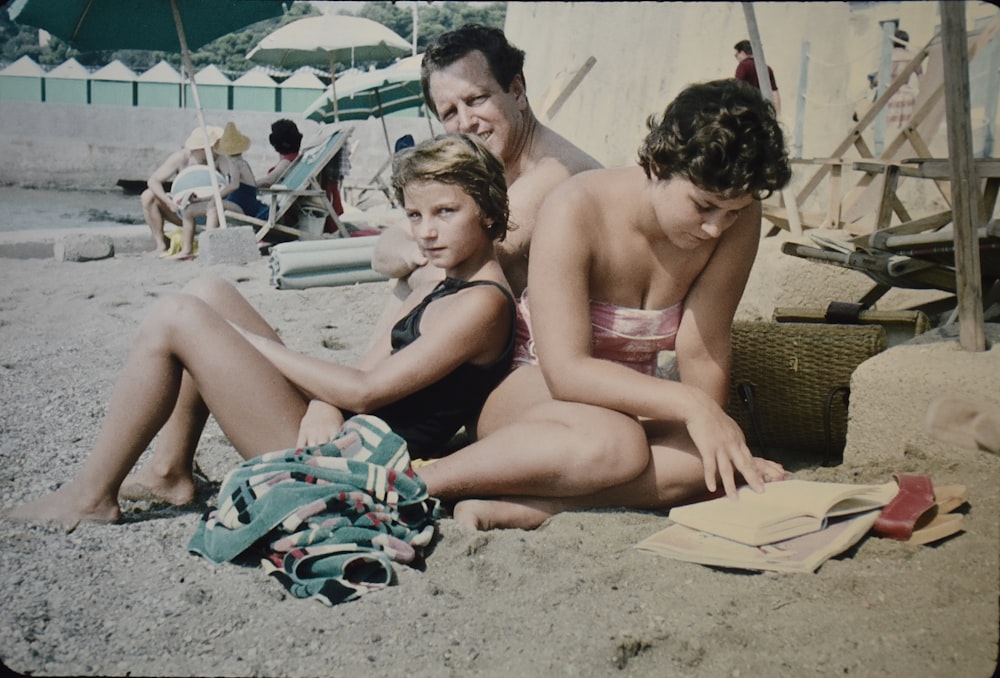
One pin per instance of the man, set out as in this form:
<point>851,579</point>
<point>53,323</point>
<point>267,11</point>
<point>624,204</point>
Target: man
<point>157,205</point>
<point>473,81</point>
<point>746,70</point>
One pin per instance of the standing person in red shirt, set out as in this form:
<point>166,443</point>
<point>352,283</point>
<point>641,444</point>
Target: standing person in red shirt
<point>746,70</point>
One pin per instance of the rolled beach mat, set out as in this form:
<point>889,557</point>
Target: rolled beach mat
<point>326,244</point>
<point>332,278</point>
<point>288,263</point>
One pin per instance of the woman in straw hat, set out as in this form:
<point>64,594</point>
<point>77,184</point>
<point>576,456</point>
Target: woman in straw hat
<point>239,191</point>
<point>158,206</point>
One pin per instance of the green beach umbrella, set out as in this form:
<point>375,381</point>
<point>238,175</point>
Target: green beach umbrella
<point>365,94</point>
<point>91,25</point>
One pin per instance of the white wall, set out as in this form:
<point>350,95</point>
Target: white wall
<point>648,51</point>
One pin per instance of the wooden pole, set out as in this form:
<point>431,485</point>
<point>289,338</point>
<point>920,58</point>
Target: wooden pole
<point>964,184</point>
<point>760,63</point>
<point>189,66</point>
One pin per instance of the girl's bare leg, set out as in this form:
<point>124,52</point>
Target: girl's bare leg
<point>256,407</point>
<point>169,474</point>
<point>551,448</point>
<point>675,476</point>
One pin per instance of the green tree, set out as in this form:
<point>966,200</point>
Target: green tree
<point>433,18</point>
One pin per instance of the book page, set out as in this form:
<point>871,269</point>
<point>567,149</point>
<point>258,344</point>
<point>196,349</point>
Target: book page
<point>785,509</point>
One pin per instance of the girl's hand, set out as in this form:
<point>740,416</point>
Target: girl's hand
<point>320,424</point>
<point>723,448</point>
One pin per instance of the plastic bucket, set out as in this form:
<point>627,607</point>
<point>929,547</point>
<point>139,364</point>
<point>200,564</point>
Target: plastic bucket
<point>312,219</point>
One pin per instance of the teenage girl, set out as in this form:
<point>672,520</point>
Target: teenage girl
<point>627,262</point>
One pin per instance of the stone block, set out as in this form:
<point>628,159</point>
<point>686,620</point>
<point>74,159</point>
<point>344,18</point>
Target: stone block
<point>891,393</point>
<point>83,247</point>
<point>235,245</point>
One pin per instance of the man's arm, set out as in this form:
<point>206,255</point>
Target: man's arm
<point>777,103</point>
<point>396,254</point>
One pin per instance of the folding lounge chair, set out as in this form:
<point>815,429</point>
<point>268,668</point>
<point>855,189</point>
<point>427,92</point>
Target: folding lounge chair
<point>917,253</point>
<point>911,261</point>
<point>301,180</point>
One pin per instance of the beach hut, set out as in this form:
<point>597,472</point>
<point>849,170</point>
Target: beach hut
<point>214,89</point>
<point>255,91</point>
<point>68,83</point>
<point>23,80</point>
<point>115,84</point>
<point>299,91</point>
<point>159,87</point>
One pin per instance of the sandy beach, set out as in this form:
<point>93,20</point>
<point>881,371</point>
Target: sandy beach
<point>573,598</point>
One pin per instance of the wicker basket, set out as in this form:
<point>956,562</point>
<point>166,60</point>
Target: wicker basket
<point>791,381</point>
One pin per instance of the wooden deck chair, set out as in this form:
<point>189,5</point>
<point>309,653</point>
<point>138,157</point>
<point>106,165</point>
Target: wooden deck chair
<point>378,184</point>
<point>301,180</point>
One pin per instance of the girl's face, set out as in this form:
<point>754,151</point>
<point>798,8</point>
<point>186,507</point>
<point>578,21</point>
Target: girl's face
<point>690,216</point>
<point>447,225</point>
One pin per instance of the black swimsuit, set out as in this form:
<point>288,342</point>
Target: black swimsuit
<point>428,418</point>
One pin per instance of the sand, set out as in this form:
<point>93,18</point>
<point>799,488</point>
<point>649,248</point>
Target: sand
<point>572,598</point>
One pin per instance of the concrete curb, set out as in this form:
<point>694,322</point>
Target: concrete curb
<point>41,244</point>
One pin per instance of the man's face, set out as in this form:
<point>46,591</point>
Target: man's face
<point>740,56</point>
<point>470,101</point>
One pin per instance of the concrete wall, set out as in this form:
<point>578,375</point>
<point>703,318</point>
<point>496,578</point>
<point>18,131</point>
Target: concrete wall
<point>93,146</point>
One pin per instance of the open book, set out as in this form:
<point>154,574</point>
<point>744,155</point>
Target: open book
<point>799,554</point>
<point>785,509</point>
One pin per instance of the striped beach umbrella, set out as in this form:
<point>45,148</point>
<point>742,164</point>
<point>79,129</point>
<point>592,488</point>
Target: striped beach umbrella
<point>365,94</point>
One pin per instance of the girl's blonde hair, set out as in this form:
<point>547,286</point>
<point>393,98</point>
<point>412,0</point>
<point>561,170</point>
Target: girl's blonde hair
<point>462,161</point>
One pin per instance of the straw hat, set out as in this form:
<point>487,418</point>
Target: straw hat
<point>233,142</point>
<point>196,139</point>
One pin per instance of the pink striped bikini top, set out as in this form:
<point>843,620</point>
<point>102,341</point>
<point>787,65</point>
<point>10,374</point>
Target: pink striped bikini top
<point>630,336</point>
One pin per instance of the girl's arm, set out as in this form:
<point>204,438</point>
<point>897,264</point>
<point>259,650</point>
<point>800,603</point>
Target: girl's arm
<point>704,339</point>
<point>470,326</point>
<point>274,174</point>
<point>228,168</point>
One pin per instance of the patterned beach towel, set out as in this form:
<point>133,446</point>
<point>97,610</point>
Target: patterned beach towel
<point>326,521</point>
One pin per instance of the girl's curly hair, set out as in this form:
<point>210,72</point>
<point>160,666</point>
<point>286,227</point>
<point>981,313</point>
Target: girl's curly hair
<point>723,137</point>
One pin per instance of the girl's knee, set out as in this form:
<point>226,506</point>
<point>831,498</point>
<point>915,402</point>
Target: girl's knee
<point>177,312</point>
<point>208,287</point>
<point>616,454</point>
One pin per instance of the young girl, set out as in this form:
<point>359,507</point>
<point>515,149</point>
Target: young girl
<point>207,351</point>
<point>625,263</point>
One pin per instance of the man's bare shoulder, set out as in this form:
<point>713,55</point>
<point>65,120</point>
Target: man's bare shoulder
<point>555,148</point>
<point>552,159</point>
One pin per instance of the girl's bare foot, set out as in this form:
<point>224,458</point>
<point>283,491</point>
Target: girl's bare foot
<point>65,507</point>
<point>489,514</point>
<point>148,485</point>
